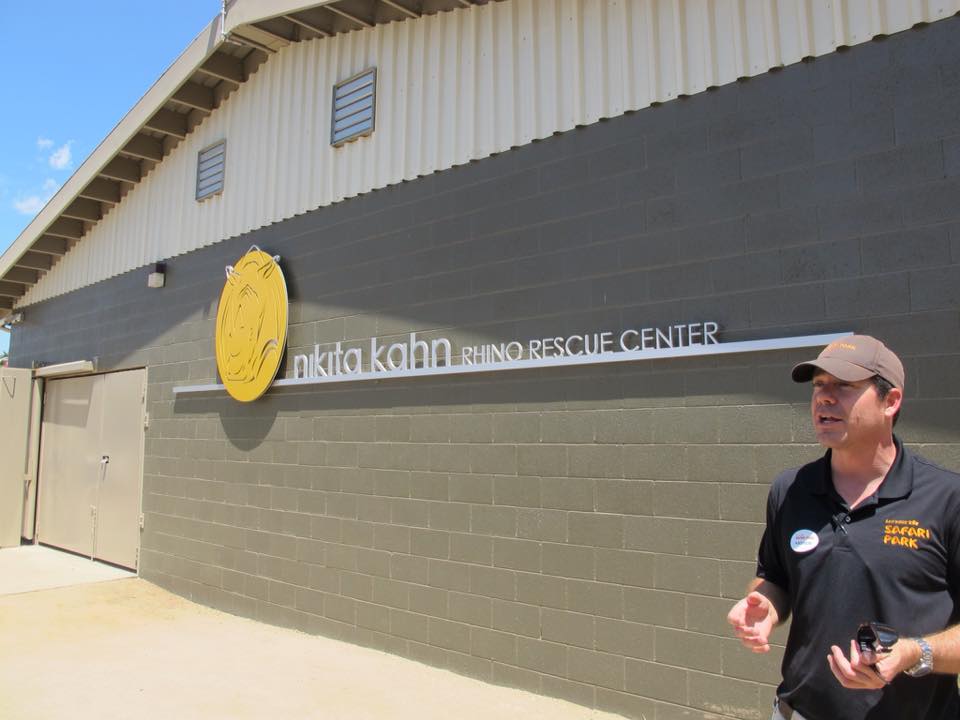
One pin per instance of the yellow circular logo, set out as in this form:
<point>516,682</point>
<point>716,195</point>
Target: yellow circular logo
<point>251,325</point>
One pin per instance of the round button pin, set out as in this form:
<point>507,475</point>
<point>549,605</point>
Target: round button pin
<point>803,541</point>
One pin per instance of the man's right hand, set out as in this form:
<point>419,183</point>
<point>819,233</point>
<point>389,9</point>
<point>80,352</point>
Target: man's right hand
<point>753,619</point>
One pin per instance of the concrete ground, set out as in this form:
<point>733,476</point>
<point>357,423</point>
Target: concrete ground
<point>35,567</point>
<point>125,648</point>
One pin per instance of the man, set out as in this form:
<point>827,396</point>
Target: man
<point>870,532</point>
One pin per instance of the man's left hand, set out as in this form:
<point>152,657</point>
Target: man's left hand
<point>870,671</point>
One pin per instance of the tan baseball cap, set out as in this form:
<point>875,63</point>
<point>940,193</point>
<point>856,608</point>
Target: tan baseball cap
<point>853,358</point>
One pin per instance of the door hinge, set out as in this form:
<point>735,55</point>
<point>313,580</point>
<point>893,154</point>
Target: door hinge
<point>146,420</point>
<point>141,521</point>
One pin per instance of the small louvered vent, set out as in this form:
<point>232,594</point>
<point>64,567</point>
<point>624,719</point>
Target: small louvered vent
<point>354,107</point>
<point>210,166</point>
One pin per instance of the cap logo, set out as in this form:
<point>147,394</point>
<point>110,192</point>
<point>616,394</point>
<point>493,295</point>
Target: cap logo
<point>843,346</point>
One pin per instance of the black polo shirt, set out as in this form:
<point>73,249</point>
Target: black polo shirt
<point>894,559</point>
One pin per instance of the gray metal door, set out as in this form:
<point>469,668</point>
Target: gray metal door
<point>91,452</point>
<point>69,464</point>
<point>16,393</point>
<point>121,446</point>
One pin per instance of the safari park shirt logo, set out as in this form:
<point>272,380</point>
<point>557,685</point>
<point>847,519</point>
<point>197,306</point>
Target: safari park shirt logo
<point>905,533</point>
<point>251,325</point>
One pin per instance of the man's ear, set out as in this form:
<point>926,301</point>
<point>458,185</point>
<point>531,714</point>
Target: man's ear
<point>892,402</point>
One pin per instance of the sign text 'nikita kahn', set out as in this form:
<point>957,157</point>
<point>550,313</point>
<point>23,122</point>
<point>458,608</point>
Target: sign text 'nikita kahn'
<point>414,353</point>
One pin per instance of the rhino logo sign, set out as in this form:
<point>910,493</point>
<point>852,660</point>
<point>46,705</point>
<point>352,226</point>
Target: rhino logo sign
<point>251,325</point>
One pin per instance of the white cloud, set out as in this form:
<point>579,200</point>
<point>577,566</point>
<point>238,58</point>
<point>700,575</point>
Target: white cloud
<point>44,143</point>
<point>32,204</point>
<point>29,205</point>
<point>60,158</point>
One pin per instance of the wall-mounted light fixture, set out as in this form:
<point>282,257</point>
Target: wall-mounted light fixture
<point>158,277</point>
<point>76,367</point>
<point>8,321</point>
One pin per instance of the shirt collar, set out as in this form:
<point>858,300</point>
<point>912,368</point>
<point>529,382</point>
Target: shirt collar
<point>897,484</point>
<point>899,480</point>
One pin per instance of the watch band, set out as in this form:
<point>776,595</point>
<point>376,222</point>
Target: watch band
<point>924,665</point>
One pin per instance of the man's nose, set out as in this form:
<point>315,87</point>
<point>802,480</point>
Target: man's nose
<point>824,396</point>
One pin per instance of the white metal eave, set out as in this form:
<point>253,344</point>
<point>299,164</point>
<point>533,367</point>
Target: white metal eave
<point>238,13</point>
<point>508,72</point>
<point>199,50</point>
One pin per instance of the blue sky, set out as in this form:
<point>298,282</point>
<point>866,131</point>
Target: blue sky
<point>73,69</point>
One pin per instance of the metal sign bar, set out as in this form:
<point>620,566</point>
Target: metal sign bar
<point>726,348</point>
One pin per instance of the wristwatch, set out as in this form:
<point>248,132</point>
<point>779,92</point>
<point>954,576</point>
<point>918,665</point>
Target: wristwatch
<point>924,665</point>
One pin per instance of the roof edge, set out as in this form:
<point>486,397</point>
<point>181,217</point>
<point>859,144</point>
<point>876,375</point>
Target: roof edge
<point>201,48</point>
<point>244,12</point>
<point>237,13</point>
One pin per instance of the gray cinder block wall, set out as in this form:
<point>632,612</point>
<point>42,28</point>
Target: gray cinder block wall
<point>580,533</point>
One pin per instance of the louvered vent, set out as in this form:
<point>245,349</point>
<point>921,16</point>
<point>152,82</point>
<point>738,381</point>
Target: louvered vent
<point>354,107</point>
<point>210,167</point>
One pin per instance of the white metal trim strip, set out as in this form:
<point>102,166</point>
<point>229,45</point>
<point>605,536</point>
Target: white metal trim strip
<point>745,346</point>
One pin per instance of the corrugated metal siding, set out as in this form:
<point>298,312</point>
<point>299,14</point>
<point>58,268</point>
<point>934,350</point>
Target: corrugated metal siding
<point>454,87</point>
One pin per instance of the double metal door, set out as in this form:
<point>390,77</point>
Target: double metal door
<point>91,466</point>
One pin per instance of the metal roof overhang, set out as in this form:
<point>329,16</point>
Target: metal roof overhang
<point>216,63</point>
